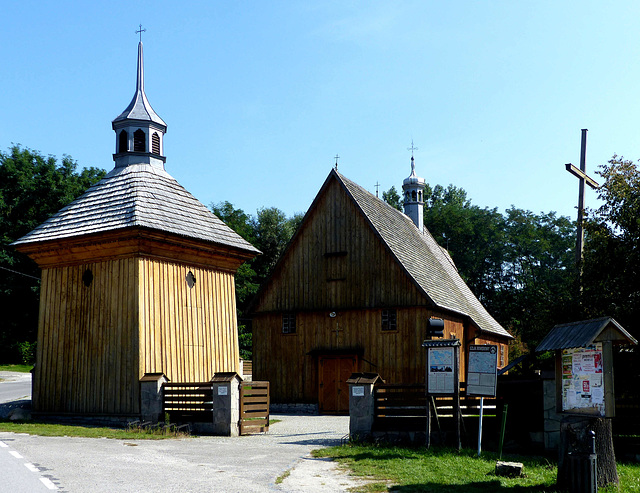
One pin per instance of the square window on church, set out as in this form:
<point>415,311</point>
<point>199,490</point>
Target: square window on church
<point>288,323</point>
<point>389,320</point>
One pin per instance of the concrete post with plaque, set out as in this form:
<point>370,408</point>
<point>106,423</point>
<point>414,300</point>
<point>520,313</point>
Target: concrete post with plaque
<point>362,404</point>
<point>584,393</point>
<point>443,379</point>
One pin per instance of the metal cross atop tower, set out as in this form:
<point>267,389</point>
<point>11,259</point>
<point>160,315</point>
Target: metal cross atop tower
<point>581,174</point>
<point>140,31</point>
<point>412,148</point>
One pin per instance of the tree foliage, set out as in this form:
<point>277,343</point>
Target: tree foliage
<point>32,188</point>
<point>611,279</point>
<point>392,197</point>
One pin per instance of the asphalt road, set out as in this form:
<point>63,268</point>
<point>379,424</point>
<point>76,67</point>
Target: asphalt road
<point>14,386</point>
<point>203,464</point>
<point>198,464</point>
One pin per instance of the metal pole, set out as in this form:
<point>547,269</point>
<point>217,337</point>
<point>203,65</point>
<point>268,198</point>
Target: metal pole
<point>503,428</point>
<point>480,426</point>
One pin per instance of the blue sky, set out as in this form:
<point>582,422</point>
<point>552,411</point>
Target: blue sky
<point>259,96</point>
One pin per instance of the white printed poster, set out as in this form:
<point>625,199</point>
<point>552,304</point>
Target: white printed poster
<point>441,368</point>
<point>582,382</point>
<point>482,371</point>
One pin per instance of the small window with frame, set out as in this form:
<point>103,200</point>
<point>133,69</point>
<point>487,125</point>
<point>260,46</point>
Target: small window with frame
<point>288,323</point>
<point>389,320</point>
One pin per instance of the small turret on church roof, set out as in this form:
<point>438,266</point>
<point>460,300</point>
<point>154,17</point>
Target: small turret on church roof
<point>413,188</point>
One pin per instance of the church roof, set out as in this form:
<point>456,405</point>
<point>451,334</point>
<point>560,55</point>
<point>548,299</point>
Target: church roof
<point>426,262</point>
<point>139,107</point>
<point>141,196</point>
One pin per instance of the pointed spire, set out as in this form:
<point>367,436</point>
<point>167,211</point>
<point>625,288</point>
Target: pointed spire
<point>139,129</point>
<point>413,188</point>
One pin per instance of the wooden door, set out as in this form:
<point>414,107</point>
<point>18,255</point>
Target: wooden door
<point>333,389</point>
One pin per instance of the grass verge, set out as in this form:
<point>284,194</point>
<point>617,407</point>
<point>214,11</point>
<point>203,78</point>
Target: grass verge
<point>59,430</point>
<point>440,470</point>
<point>18,368</point>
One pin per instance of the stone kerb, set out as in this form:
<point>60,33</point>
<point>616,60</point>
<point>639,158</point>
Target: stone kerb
<point>226,403</point>
<point>362,404</point>
<point>151,396</point>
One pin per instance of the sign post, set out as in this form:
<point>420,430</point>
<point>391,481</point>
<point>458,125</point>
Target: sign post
<point>482,377</point>
<point>442,379</point>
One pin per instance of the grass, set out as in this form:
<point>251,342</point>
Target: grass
<point>283,476</point>
<point>440,470</point>
<point>59,430</point>
<point>18,368</point>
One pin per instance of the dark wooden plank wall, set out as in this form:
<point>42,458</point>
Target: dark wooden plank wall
<point>396,355</point>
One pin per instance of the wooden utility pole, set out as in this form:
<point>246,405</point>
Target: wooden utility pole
<point>581,174</point>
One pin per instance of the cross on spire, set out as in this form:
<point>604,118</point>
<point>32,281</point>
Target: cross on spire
<point>412,148</point>
<point>336,157</point>
<point>140,31</point>
<point>377,185</point>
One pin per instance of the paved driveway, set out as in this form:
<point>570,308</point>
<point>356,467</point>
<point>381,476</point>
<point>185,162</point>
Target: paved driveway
<point>205,464</point>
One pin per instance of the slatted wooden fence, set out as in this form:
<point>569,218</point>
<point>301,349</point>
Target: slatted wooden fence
<point>404,408</point>
<point>188,402</point>
<point>254,407</point>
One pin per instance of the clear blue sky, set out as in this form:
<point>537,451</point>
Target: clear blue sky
<point>259,96</point>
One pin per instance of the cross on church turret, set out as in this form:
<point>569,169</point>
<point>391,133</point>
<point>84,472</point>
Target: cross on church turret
<point>412,148</point>
<point>140,31</point>
<point>581,174</point>
<point>336,157</point>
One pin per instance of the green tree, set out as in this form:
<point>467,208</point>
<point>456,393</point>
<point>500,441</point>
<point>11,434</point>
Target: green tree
<point>32,188</point>
<point>611,280</point>
<point>392,197</point>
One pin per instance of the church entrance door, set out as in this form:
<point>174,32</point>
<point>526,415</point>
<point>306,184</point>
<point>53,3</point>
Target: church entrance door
<point>334,372</point>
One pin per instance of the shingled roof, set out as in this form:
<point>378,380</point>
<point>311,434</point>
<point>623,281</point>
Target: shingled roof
<point>141,196</point>
<point>427,263</point>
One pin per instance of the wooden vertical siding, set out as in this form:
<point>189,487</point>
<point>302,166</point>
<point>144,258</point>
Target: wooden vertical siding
<point>187,333</point>
<point>338,262</point>
<point>398,356</point>
<point>87,340</point>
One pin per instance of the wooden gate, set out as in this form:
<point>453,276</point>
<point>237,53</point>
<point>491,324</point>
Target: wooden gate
<point>254,407</point>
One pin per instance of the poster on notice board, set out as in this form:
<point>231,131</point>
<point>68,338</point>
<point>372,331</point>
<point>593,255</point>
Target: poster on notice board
<point>582,380</point>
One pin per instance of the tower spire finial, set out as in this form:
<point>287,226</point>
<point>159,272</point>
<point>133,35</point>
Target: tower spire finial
<point>140,31</point>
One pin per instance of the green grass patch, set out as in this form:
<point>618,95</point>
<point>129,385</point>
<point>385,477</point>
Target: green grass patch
<point>18,368</point>
<point>441,470</point>
<point>59,430</point>
<point>283,476</point>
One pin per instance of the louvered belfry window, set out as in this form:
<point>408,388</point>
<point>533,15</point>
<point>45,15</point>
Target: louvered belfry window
<point>123,141</point>
<point>155,143</point>
<point>139,144</point>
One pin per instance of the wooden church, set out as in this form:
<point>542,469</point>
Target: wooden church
<point>353,292</point>
<point>137,279</point>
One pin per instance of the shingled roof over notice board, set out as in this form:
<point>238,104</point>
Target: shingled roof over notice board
<point>584,333</point>
<point>142,196</point>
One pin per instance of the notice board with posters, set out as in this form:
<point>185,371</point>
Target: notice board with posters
<point>583,382</point>
<point>443,366</point>
<point>482,370</point>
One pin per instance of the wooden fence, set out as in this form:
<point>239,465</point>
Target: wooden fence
<point>404,408</point>
<point>254,407</point>
<point>188,402</point>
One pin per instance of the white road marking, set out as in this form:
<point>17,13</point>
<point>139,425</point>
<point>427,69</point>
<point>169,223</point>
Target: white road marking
<point>31,467</point>
<point>15,454</point>
<point>3,445</point>
<point>47,482</point>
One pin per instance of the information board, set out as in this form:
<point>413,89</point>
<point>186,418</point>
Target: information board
<point>482,370</point>
<point>582,380</point>
<point>441,377</point>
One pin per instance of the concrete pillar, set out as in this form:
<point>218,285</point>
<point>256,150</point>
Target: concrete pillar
<point>151,396</point>
<point>361,404</point>
<point>226,403</point>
